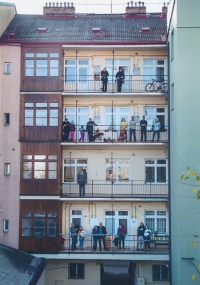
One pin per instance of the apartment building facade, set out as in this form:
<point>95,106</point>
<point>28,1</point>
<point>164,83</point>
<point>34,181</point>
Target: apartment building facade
<point>61,58</point>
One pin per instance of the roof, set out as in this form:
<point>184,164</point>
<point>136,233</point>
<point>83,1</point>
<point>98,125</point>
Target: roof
<point>18,267</point>
<point>110,29</point>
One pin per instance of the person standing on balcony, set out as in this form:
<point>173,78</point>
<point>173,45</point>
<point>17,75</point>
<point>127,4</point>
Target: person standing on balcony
<point>120,79</point>
<point>82,234</point>
<point>147,237</point>
<point>82,133</point>
<point>123,131</point>
<point>132,125</point>
<point>102,235</point>
<point>72,130</point>
<point>140,234</point>
<point>104,79</point>
<point>95,237</point>
<point>143,124</point>
<point>73,234</point>
<point>156,129</point>
<point>82,180</point>
<point>66,129</point>
<point>121,235</point>
<point>89,129</point>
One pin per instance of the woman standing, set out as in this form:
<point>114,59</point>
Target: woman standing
<point>123,131</point>
<point>72,130</point>
<point>147,237</point>
<point>121,235</point>
<point>104,79</point>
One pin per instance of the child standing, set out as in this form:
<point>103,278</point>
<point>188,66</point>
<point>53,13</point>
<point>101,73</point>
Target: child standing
<point>82,133</point>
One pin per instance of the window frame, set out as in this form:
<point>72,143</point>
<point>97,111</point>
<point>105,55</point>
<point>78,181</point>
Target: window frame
<point>33,161</point>
<point>7,68</point>
<point>76,269</point>
<point>34,114</point>
<point>73,164</point>
<point>117,165</point>
<point>148,77</point>
<point>7,169</point>
<point>37,63</point>
<point>155,166</point>
<point>5,225</point>
<point>6,119</point>
<point>156,216</point>
<point>161,267</point>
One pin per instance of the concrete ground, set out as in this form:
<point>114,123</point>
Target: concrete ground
<point>115,273</point>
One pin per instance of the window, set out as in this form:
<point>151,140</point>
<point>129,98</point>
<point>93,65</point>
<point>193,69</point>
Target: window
<point>6,169</point>
<point>7,68</point>
<point>151,113</point>
<point>72,168</point>
<point>117,170</point>
<point>5,225</point>
<point>41,64</point>
<point>41,114</point>
<point>71,113</point>
<point>40,221</point>
<point>156,221</point>
<point>160,272</point>
<point>75,69</point>
<point>76,271</point>
<point>40,167</point>
<point>154,69</point>
<point>115,115</point>
<point>155,170</point>
<point>6,119</point>
<point>113,68</point>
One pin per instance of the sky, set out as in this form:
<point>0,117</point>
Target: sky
<point>86,6</point>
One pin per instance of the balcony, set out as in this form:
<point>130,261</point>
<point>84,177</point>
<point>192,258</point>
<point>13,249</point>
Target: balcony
<point>113,189</point>
<point>112,134</point>
<point>132,84</point>
<point>158,245</point>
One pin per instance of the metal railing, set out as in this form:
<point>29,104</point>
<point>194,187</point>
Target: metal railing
<point>117,189</point>
<point>93,83</point>
<point>112,133</point>
<point>156,245</point>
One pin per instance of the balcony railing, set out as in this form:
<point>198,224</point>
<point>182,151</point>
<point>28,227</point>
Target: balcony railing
<point>114,189</point>
<point>108,133</point>
<point>93,84</point>
<point>157,245</point>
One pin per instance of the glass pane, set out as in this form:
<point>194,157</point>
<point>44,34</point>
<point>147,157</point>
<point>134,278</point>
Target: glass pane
<point>29,72</point>
<point>69,174</point>
<point>41,72</point>
<point>82,110</point>
<point>51,223</point>
<point>150,174</point>
<point>52,214</point>
<point>148,61</point>
<point>41,113</point>
<point>39,214</point>
<point>28,121</point>
<point>70,74</point>
<point>123,161</point>
<point>29,54</point>
<point>67,161</point>
<point>150,222</point>
<point>41,55</point>
<point>54,113</point>
<point>40,157</point>
<point>83,73</point>
<point>161,225</point>
<point>123,173</point>
<point>80,271</point>
<point>54,55</point>
<point>159,74</point>
<point>27,157</point>
<point>53,72</point>
<point>110,173</point>
<point>110,225</point>
<point>52,174</point>
<point>52,157</point>
<point>26,215</point>
<point>29,104</point>
<point>70,62</point>
<point>149,161</point>
<point>53,63</point>
<point>52,165</point>
<point>53,122</point>
<point>124,62</point>
<point>160,62</point>
<point>109,62</point>
<point>28,113</point>
<point>82,161</point>
<point>83,62</point>
<point>29,63</point>
<point>26,232</point>
<point>41,122</point>
<point>76,212</point>
<point>70,110</point>
<point>53,104</point>
<point>161,174</point>
<point>41,104</point>
<point>51,232</point>
<point>161,161</point>
<point>39,168</point>
<point>26,222</point>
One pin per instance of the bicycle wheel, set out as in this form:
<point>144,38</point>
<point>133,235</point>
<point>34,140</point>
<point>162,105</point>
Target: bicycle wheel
<point>149,87</point>
<point>164,87</point>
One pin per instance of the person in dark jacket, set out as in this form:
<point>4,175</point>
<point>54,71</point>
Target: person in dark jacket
<point>143,124</point>
<point>95,237</point>
<point>140,234</point>
<point>104,79</point>
<point>66,129</point>
<point>89,129</point>
<point>82,180</point>
<point>120,79</point>
<point>101,235</point>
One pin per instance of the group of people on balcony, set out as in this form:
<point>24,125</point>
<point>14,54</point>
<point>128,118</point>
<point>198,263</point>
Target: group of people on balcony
<point>144,237</point>
<point>69,130</point>
<point>119,78</point>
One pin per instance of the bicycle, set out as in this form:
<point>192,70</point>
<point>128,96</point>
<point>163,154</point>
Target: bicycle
<point>154,87</point>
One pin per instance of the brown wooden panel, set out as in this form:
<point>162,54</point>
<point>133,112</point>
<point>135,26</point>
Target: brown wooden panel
<point>40,244</point>
<point>42,83</point>
<point>40,186</point>
<point>37,133</point>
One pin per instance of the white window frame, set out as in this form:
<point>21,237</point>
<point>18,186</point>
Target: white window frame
<point>5,225</point>
<point>151,113</point>
<point>7,169</point>
<point>116,166</point>
<point>154,65</point>
<point>155,165</point>
<point>77,166</point>
<point>156,216</point>
<point>71,113</point>
<point>7,68</point>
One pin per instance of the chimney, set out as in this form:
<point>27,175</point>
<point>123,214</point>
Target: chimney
<point>164,8</point>
<point>57,9</point>
<point>139,8</point>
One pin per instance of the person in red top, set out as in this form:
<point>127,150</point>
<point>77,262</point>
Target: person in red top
<point>121,235</point>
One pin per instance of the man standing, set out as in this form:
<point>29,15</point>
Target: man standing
<point>101,235</point>
<point>140,234</point>
<point>82,180</point>
<point>143,124</point>
<point>89,128</point>
<point>73,236</point>
<point>120,79</point>
<point>66,129</point>
<point>156,129</point>
<point>132,125</point>
<point>104,78</point>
